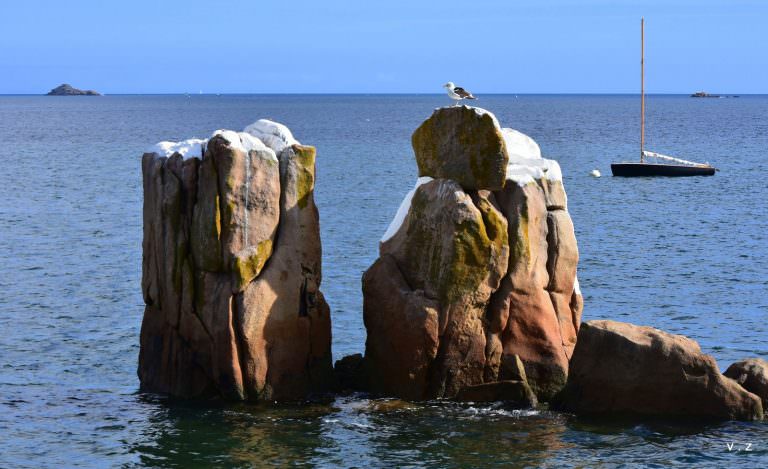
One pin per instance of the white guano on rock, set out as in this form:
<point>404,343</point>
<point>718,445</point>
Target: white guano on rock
<point>402,211</point>
<point>525,162</point>
<point>246,142</point>
<point>275,135</point>
<point>190,148</point>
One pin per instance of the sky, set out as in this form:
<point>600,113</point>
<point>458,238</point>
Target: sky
<point>393,46</point>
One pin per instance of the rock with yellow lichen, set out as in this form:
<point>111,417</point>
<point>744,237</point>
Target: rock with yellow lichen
<point>456,254</point>
<point>476,280</point>
<point>231,269</point>
<point>464,144</point>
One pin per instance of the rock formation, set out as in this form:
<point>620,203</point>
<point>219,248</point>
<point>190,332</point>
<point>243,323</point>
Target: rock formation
<point>477,272</point>
<point>67,90</point>
<point>350,373</point>
<point>623,368</point>
<point>752,375</point>
<point>514,389</point>
<point>231,269</point>
<point>464,144</point>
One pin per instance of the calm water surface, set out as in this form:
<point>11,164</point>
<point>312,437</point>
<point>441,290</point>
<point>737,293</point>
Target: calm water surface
<point>686,255</point>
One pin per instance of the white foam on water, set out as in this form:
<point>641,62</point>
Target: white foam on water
<point>497,410</point>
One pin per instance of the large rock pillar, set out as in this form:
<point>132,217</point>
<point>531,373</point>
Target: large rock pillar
<point>231,269</point>
<point>475,286</point>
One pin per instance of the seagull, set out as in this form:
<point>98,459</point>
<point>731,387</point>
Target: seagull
<point>457,93</point>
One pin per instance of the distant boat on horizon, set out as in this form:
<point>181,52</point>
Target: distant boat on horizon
<point>704,94</point>
<point>676,166</point>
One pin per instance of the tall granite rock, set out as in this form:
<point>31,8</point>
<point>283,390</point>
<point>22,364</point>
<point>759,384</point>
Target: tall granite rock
<point>477,272</point>
<point>232,267</point>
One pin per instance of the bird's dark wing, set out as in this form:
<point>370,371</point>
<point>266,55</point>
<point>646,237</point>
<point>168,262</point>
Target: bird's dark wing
<point>463,93</point>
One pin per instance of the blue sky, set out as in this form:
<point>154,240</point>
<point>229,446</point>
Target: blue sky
<point>364,46</point>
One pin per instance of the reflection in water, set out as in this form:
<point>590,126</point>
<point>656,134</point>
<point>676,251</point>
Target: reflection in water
<point>354,431</point>
<point>187,434</point>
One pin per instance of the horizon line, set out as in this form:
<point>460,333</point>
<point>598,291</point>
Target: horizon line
<point>566,93</point>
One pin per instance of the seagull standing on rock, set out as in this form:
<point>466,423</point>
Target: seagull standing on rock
<point>457,93</point>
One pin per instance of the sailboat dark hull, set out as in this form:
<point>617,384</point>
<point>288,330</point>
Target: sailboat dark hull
<point>650,169</point>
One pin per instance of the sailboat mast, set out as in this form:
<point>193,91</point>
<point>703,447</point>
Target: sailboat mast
<point>642,88</point>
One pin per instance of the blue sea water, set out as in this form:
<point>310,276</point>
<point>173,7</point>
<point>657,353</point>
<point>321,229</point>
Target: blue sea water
<point>685,255</point>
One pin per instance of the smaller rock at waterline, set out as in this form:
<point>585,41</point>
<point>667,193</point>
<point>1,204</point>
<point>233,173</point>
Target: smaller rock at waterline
<point>516,392</point>
<point>383,406</point>
<point>350,373</point>
<point>623,368</point>
<point>752,375</point>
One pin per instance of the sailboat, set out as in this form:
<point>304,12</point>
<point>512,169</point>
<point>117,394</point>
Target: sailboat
<point>670,166</point>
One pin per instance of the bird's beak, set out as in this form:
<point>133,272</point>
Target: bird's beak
<point>445,85</point>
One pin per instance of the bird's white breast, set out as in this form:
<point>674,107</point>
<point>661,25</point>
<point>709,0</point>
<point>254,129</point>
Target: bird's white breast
<point>453,95</point>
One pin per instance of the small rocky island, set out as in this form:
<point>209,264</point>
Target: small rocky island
<point>66,89</point>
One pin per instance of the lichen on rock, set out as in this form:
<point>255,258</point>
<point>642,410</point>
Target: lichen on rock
<point>464,144</point>
<point>248,263</point>
<point>231,271</point>
<point>490,241</point>
<point>305,174</point>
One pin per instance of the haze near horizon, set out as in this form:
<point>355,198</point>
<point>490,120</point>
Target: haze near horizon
<point>560,46</point>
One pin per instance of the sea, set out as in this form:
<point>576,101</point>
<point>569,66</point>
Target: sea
<point>686,255</point>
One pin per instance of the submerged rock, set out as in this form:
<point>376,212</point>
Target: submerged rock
<point>624,368</point>
<point>350,373</point>
<point>752,375</point>
<point>231,271</point>
<point>67,90</point>
<point>514,392</point>
<point>474,286</point>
